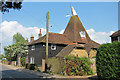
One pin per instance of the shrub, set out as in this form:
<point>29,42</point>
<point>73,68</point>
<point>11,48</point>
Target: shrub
<point>23,61</point>
<point>77,66</point>
<point>31,66</point>
<point>26,66</point>
<point>108,61</point>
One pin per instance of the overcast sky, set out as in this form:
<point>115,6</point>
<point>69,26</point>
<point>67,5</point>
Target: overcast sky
<point>100,19</point>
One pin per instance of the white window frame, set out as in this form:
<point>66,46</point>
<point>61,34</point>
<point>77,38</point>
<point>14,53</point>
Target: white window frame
<point>53,45</point>
<point>32,60</point>
<point>118,38</point>
<point>44,45</point>
<point>33,47</point>
<point>82,34</point>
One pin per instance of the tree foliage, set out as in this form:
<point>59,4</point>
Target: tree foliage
<point>18,38</point>
<point>108,61</point>
<point>10,4</point>
<point>23,61</point>
<point>19,46</point>
<point>11,51</point>
<point>1,56</point>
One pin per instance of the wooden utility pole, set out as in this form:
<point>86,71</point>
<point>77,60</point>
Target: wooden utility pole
<point>47,24</point>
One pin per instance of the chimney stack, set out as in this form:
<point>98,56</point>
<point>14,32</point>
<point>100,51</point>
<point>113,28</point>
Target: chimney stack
<point>27,40</point>
<point>31,38</point>
<point>40,34</point>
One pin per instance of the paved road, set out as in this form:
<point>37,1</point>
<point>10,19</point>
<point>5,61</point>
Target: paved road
<point>6,72</point>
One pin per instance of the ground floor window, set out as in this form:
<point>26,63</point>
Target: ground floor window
<point>32,60</point>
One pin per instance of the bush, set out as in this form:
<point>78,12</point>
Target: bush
<point>31,66</point>
<point>23,61</point>
<point>108,61</point>
<point>2,61</point>
<point>26,66</point>
<point>76,66</point>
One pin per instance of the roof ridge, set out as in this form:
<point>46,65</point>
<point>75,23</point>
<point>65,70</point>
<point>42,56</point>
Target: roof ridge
<point>55,33</point>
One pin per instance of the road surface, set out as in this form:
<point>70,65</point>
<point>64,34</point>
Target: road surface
<point>7,73</point>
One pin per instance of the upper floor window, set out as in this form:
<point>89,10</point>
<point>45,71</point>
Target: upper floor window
<point>33,47</point>
<point>53,47</point>
<point>82,33</point>
<point>43,45</point>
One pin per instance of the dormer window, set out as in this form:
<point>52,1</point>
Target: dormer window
<point>53,47</point>
<point>33,47</point>
<point>82,34</point>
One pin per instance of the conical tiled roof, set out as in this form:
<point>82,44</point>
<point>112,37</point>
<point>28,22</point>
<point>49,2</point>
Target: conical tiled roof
<point>74,28</point>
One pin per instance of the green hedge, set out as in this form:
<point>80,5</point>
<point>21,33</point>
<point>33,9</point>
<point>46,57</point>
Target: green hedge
<point>56,65</point>
<point>76,66</point>
<point>108,61</point>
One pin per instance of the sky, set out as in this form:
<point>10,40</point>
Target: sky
<point>100,19</point>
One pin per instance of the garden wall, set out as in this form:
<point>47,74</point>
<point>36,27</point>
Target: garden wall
<point>79,53</point>
<point>9,62</point>
<point>92,53</point>
<point>93,66</point>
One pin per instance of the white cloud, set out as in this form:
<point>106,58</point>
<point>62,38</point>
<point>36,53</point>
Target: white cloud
<point>8,29</point>
<point>61,32</point>
<point>100,37</point>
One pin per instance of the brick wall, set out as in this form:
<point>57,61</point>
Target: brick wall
<point>79,53</point>
<point>93,66</point>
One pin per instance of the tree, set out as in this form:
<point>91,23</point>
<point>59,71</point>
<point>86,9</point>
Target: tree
<point>11,51</point>
<point>19,46</point>
<point>18,38</point>
<point>1,56</point>
<point>10,4</point>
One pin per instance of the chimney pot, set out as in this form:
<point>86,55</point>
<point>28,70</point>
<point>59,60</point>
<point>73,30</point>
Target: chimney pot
<point>40,34</point>
<point>31,38</point>
<point>27,40</point>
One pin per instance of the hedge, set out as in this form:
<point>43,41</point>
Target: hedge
<point>56,65</point>
<point>76,66</point>
<point>108,61</point>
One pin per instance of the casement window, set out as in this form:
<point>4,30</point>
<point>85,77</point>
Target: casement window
<point>33,47</point>
<point>53,47</point>
<point>43,45</point>
<point>82,34</point>
<point>119,38</point>
<point>32,60</point>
